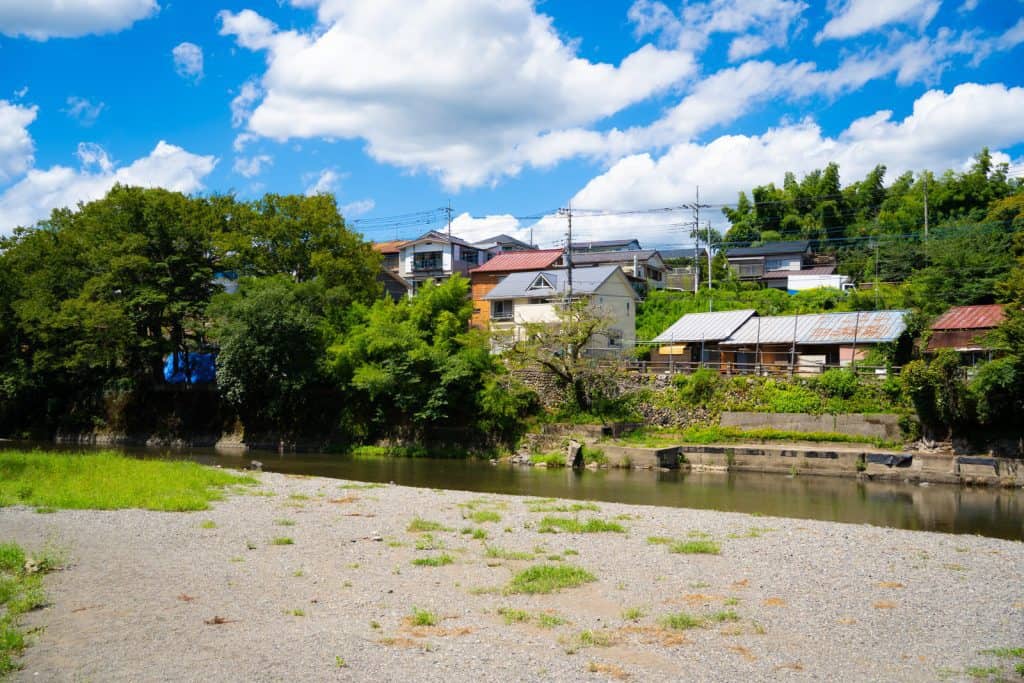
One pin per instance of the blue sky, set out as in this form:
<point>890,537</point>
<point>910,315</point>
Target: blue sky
<point>508,109</point>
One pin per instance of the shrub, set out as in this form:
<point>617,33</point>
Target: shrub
<point>838,383</point>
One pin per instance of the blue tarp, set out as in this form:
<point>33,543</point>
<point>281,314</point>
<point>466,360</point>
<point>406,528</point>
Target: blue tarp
<point>202,368</point>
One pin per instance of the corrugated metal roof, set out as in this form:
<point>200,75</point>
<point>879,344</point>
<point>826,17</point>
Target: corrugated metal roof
<point>641,255</point>
<point>695,327</point>
<point>584,281</point>
<point>771,249</point>
<point>865,327</point>
<point>970,318</point>
<point>520,260</point>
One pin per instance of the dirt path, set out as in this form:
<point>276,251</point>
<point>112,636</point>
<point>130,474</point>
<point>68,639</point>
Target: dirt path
<point>156,596</point>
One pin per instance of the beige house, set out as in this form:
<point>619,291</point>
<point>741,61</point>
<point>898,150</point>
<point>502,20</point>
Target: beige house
<point>535,296</point>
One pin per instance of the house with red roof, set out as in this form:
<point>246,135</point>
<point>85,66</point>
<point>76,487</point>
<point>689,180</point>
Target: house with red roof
<point>486,277</point>
<point>963,329</point>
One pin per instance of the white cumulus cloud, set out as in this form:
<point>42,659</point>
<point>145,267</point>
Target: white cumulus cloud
<point>453,89</point>
<point>251,167</point>
<point>43,19</point>
<point>16,145</point>
<point>856,17</point>
<point>188,61</point>
<point>326,181</point>
<point>35,195</point>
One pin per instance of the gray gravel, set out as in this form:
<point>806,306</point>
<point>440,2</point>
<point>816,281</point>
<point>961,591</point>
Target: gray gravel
<point>815,600</point>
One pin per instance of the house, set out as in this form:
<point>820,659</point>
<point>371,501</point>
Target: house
<point>774,260</point>
<point>389,251</point>
<point>500,244</point>
<point>742,341</point>
<point>435,256</point>
<point>484,278</point>
<point>606,245</point>
<point>644,267</point>
<point>963,329</point>
<point>535,296</point>
<point>816,277</point>
<point>395,286</point>
<point>695,338</point>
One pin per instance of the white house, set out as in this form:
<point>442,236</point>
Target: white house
<point>535,296</point>
<point>433,256</point>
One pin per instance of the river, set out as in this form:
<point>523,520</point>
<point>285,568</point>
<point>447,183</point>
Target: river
<point>962,510</point>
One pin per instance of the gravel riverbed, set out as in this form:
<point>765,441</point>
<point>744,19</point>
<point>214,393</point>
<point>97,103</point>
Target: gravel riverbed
<point>151,596</point>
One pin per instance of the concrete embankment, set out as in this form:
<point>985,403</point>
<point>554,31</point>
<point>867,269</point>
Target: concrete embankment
<point>824,459</point>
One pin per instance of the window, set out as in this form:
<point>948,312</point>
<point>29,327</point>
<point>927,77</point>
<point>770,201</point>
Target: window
<point>746,269</point>
<point>428,260</point>
<point>627,307</point>
<point>541,282</point>
<point>501,310</point>
<point>469,255</point>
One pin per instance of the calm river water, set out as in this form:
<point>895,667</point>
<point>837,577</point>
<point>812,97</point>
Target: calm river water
<point>989,512</point>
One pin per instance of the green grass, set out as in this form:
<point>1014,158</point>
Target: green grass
<point>660,540</point>
<point>284,522</point>
<point>546,578</point>
<point>551,525</point>
<point>1011,652</point>
<point>513,616</point>
<point>632,614</point>
<point>428,542</point>
<point>502,554</point>
<point>982,671</point>
<point>419,525</point>
<point>724,616</point>
<point>436,561</point>
<point>681,621</point>
<point>695,548</point>
<point>282,540</point>
<point>595,639</point>
<point>360,487</point>
<point>208,524</point>
<point>483,516</point>
<point>422,617</point>
<point>657,438</point>
<point>21,591</point>
<point>109,481</point>
<point>545,620</point>
<point>563,507</point>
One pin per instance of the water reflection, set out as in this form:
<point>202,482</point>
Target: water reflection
<point>989,512</point>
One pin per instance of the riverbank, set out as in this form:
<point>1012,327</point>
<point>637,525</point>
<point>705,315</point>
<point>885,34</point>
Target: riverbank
<point>310,578</point>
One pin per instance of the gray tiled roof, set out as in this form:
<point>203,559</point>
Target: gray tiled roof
<point>770,249</point>
<point>584,281</point>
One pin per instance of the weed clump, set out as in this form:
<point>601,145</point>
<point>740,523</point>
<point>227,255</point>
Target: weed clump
<point>546,578</point>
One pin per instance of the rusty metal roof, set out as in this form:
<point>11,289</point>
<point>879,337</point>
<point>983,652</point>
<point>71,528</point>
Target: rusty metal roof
<point>537,259</point>
<point>695,327</point>
<point>864,327</point>
<point>970,318</point>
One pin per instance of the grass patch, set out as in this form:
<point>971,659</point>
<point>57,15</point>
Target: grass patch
<point>632,614</point>
<point>564,507</point>
<point>1005,652</point>
<point>595,639</point>
<point>208,524</point>
<point>360,487</point>
<point>484,516</point>
<point>420,525</point>
<point>545,620</point>
<point>282,540</point>
<point>551,525</point>
<point>657,438</point>
<point>554,459</point>
<point>422,617</point>
<point>437,561</point>
<point>724,616</point>
<point>21,591</point>
<point>513,616</point>
<point>681,621</point>
<point>109,481</point>
<point>428,542</point>
<point>284,522</point>
<point>502,554</point>
<point>660,540</point>
<point>546,578</point>
<point>695,548</point>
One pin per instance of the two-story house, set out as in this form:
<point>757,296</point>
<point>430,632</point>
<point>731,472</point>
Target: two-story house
<point>486,277</point>
<point>435,257</point>
<point>645,267</point>
<point>530,297</point>
<point>500,244</point>
<point>770,261</point>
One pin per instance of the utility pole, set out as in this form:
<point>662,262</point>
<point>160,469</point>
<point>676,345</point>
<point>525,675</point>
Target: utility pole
<point>695,207</point>
<point>451,245</point>
<point>567,212</point>
<point>709,266</point>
